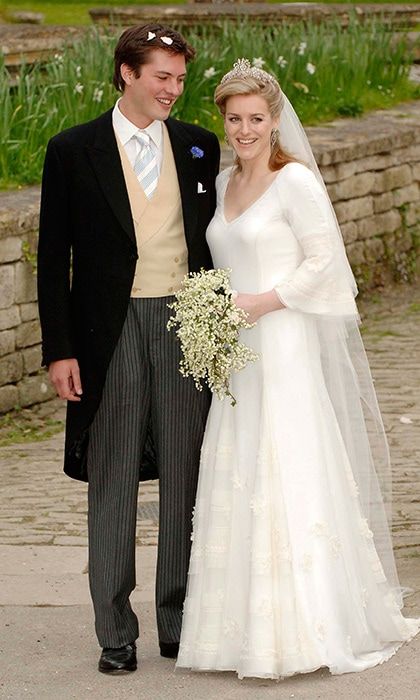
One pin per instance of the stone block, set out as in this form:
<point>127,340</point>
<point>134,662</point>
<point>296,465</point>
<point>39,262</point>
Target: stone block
<point>19,211</point>
<point>345,170</point>
<point>354,209</point>
<point>8,398</point>
<point>391,179</point>
<point>377,162</point>
<point>356,253</point>
<point>32,359</point>
<point>333,192</point>
<point>7,286</point>
<point>11,368</point>
<point>9,318</point>
<point>403,241</point>
<point>26,289</point>
<point>409,154</point>
<point>36,389</point>
<point>349,232</point>
<point>374,250</point>
<point>368,227</point>
<point>377,225</point>
<point>28,334</point>
<point>383,202</point>
<point>338,171</point>
<point>389,221</point>
<point>27,17</point>
<point>412,214</point>
<point>10,249</point>
<point>29,312</point>
<point>7,342</point>
<point>404,195</point>
<point>355,186</point>
<point>416,171</point>
<point>328,174</point>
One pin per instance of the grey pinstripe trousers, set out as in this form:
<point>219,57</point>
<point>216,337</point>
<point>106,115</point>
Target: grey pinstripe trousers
<point>143,383</point>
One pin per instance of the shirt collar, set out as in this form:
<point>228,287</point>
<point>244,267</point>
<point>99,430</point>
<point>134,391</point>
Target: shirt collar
<point>125,129</point>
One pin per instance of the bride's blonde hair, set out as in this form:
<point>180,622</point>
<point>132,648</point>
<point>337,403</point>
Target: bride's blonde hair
<point>271,93</point>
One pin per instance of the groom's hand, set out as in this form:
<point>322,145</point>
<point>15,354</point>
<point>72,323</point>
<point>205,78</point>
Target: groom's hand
<point>65,375</point>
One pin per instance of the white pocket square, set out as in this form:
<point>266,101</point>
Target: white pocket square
<point>200,189</point>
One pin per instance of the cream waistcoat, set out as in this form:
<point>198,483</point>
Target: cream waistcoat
<point>159,228</point>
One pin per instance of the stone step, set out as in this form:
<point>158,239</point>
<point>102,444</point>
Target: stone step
<point>204,14</point>
<point>27,43</point>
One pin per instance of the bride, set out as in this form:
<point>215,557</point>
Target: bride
<point>291,566</point>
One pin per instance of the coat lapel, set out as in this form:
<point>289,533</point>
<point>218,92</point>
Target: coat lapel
<point>106,163</point>
<point>181,144</point>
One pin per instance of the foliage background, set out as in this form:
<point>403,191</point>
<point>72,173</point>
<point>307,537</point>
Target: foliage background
<point>325,71</point>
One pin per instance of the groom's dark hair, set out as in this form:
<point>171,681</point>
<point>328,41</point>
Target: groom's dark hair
<point>136,43</point>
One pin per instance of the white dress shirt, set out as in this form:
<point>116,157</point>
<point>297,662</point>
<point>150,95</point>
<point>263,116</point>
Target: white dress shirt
<point>126,130</point>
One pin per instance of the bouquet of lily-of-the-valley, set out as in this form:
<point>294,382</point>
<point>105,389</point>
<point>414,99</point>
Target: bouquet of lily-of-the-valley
<point>207,323</point>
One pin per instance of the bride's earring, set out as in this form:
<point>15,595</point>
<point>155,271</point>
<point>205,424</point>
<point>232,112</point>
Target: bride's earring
<point>226,139</point>
<point>274,137</point>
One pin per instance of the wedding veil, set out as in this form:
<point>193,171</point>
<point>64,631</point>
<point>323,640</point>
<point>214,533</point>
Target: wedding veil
<point>346,371</point>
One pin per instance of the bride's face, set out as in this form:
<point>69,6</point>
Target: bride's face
<point>248,125</point>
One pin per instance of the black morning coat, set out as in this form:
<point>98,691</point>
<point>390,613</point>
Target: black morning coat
<point>87,255</point>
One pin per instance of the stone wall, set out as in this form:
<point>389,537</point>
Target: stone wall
<point>212,13</point>
<point>372,170</point>
<point>21,382</point>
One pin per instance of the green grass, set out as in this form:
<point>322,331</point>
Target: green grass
<point>355,70</point>
<point>22,426</point>
<point>74,12</point>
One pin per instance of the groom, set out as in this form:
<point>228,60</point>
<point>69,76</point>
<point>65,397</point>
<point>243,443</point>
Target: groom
<point>126,200</point>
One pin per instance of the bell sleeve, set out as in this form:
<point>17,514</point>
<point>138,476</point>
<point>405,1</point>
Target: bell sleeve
<point>319,284</point>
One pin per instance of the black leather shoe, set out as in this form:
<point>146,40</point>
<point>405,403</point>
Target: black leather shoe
<point>169,649</point>
<point>118,660</point>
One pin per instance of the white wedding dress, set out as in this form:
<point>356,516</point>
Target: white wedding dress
<point>284,576</point>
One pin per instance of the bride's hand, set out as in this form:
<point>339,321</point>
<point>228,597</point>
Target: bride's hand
<point>256,305</point>
<point>249,303</point>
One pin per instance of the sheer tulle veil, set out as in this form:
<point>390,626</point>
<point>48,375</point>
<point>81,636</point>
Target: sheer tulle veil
<point>346,369</point>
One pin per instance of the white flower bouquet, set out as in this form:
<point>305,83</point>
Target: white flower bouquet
<point>207,323</point>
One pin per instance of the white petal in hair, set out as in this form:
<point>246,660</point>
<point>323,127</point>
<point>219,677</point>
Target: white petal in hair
<point>150,36</point>
<point>167,40</point>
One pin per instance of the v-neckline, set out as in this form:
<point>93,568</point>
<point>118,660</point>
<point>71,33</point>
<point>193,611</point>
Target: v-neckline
<point>228,222</point>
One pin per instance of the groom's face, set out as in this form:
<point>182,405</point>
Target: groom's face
<point>153,93</point>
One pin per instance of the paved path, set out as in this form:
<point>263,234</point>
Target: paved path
<point>50,652</point>
<point>40,505</point>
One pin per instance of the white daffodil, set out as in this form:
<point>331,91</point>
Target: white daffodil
<point>78,71</point>
<point>210,72</point>
<point>310,68</point>
<point>302,48</point>
<point>97,94</point>
<point>78,88</point>
<point>258,62</point>
<point>281,61</point>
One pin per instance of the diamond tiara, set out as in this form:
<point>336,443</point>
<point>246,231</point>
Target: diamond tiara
<point>242,69</point>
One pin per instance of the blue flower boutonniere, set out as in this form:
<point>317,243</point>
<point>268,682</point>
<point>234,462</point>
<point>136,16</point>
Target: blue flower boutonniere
<point>196,152</point>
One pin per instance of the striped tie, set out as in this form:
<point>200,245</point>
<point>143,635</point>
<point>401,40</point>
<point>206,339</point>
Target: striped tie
<point>146,167</point>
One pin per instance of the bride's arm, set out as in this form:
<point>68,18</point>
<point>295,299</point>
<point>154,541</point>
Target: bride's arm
<point>322,283</point>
